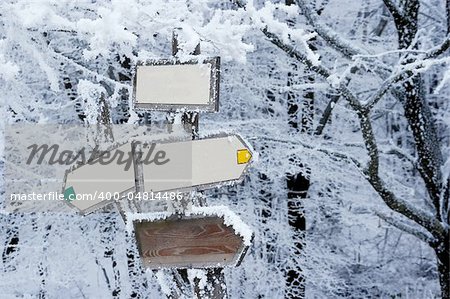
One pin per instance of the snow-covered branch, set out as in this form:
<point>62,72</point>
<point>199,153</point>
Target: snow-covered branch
<point>363,112</point>
<point>394,150</point>
<point>402,207</point>
<point>427,221</point>
<point>415,231</point>
<point>438,50</point>
<point>327,34</point>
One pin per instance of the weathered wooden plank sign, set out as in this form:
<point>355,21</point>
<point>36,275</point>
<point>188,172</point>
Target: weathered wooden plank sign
<point>195,164</point>
<point>168,85</point>
<point>202,239</point>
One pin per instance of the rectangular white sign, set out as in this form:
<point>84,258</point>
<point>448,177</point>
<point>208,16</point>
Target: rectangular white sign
<point>167,85</point>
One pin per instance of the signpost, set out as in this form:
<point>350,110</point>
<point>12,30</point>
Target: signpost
<point>192,237</point>
<point>88,187</point>
<point>191,165</point>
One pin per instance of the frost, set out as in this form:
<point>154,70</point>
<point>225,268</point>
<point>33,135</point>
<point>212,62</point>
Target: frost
<point>8,70</point>
<point>446,170</point>
<point>58,57</point>
<point>445,80</point>
<point>90,94</point>
<point>199,274</point>
<point>162,280</point>
<point>264,17</point>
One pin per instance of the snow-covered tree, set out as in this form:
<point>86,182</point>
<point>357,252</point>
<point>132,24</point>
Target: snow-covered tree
<point>375,153</point>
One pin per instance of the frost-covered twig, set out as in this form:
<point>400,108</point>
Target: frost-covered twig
<point>385,86</point>
<point>332,38</point>
<point>87,71</point>
<point>406,72</point>
<point>401,154</point>
<point>330,153</point>
<point>326,114</point>
<point>319,69</point>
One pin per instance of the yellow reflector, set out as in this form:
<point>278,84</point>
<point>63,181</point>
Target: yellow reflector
<point>243,156</point>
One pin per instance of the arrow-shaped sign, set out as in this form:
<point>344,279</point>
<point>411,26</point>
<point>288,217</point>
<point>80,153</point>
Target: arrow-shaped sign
<point>203,164</point>
<point>167,166</point>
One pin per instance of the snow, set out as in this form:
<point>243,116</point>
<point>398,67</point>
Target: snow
<point>55,53</point>
<point>230,219</point>
<point>90,94</point>
<point>200,275</point>
<point>446,170</point>
<point>162,281</point>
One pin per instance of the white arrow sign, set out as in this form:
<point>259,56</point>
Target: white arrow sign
<point>202,163</point>
<point>167,166</point>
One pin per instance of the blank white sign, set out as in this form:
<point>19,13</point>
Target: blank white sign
<point>196,163</point>
<point>179,84</point>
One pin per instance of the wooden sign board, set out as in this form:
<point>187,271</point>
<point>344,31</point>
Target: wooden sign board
<point>190,242</point>
<point>169,85</point>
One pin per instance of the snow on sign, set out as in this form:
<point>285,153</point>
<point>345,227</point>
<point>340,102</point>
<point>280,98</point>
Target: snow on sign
<point>209,162</point>
<point>181,165</point>
<point>206,237</point>
<point>168,85</point>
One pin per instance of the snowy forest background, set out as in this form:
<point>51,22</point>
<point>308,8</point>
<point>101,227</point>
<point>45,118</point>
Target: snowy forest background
<point>348,100</point>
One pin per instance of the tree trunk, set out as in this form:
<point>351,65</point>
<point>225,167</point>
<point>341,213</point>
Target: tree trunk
<point>443,261</point>
<point>422,125</point>
<point>298,184</point>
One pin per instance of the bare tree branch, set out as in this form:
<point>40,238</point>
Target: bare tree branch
<point>424,236</point>
<point>447,9</point>
<point>401,154</point>
<point>407,72</point>
<point>427,221</point>
<point>331,37</point>
<point>397,205</point>
<point>326,114</point>
<point>385,86</point>
<point>438,50</point>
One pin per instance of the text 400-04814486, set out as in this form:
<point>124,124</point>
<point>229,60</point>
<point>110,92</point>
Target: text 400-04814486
<point>155,195</point>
